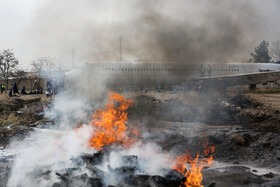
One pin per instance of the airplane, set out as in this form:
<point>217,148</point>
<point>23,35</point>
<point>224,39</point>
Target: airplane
<point>141,76</point>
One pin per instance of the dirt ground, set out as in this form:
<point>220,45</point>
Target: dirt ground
<point>243,127</point>
<point>19,114</point>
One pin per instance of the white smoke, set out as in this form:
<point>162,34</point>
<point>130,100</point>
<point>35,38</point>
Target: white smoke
<point>46,150</point>
<point>52,148</point>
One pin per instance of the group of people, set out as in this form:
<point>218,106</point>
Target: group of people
<point>205,71</point>
<point>14,90</point>
<point>36,89</point>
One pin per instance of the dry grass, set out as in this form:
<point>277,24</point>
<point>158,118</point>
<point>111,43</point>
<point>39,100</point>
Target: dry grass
<point>6,97</point>
<point>14,119</point>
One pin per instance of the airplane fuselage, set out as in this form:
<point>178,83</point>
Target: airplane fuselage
<point>156,74</point>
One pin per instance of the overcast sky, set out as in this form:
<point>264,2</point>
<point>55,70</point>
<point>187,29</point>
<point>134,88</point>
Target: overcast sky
<point>35,29</point>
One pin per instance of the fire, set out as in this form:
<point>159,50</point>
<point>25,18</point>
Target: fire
<point>194,175</point>
<point>109,125</point>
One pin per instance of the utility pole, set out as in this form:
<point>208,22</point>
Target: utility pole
<point>73,56</point>
<point>120,39</point>
<point>178,55</point>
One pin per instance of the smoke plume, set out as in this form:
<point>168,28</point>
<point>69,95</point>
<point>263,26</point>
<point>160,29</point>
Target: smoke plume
<point>152,31</point>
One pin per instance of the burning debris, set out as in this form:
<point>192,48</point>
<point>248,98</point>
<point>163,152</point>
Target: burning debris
<point>109,129</point>
<point>108,151</point>
<point>194,175</point>
<point>109,125</point>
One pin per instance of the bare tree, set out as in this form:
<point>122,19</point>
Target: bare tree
<point>275,51</point>
<point>37,66</point>
<point>43,64</point>
<point>8,64</point>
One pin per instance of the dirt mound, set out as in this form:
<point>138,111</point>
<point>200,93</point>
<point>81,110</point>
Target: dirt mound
<point>244,101</point>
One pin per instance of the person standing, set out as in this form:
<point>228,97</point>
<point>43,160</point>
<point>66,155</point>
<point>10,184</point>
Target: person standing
<point>15,88</point>
<point>209,69</point>
<point>3,88</point>
<point>35,86</point>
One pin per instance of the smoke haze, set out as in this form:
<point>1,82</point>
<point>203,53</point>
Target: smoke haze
<point>162,31</point>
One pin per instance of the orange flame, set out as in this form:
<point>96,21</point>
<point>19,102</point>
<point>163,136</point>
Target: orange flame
<point>109,125</point>
<point>194,175</point>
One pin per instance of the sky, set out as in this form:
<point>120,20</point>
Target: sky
<point>152,30</point>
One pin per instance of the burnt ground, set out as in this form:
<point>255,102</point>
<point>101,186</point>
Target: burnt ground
<point>243,127</point>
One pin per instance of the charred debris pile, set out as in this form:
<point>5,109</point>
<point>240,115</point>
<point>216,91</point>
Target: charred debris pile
<point>128,174</point>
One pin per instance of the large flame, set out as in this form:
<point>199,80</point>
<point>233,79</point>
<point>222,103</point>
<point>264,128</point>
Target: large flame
<point>109,125</point>
<point>193,172</point>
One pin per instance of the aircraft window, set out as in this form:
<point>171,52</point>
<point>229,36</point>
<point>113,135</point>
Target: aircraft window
<point>122,69</point>
<point>112,69</point>
<point>125,69</point>
<point>153,69</point>
<point>237,69</point>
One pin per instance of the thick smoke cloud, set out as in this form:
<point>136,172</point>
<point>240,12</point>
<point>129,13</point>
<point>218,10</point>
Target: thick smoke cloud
<point>154,31</point>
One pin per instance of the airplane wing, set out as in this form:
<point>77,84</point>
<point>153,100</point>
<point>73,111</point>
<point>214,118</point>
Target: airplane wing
<point>241,79</point>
